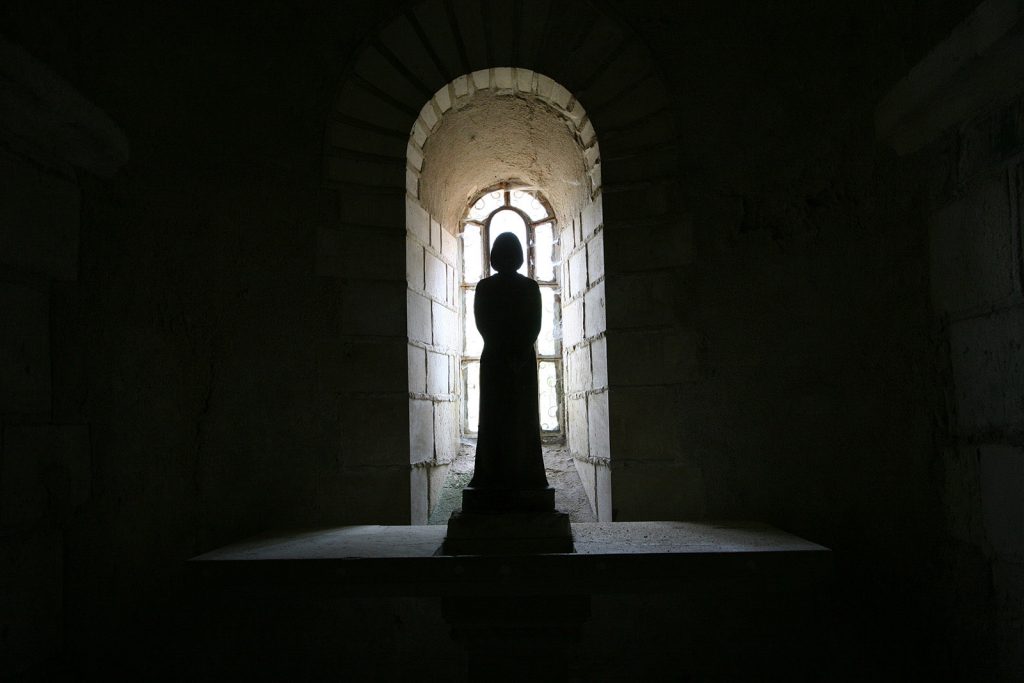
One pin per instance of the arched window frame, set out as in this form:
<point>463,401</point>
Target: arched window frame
<point>553,284</point>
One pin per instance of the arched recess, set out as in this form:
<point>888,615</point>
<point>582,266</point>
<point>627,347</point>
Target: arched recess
<point>504,125</point>
<point>405,79</point>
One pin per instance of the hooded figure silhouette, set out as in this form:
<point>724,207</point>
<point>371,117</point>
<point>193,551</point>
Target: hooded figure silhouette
<point>508,314</point>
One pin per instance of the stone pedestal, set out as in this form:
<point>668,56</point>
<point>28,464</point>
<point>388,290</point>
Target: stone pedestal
<point>508,500</point>
<point>521,638</point>
<point>508,522</point>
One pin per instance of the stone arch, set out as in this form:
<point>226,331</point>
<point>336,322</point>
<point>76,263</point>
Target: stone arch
<point>402,81</point>
<point>509,126</point>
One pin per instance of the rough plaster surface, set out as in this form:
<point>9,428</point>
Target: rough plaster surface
<point>494,136</point>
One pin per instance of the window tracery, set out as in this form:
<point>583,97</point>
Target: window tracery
<point>525,213</point>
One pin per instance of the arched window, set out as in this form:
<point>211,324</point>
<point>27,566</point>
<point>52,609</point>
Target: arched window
<point>460,194</point>
<point>526,214</point>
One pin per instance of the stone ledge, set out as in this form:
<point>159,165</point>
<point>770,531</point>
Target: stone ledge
<point>509,533</point>
<point>49,120</point>
<point>610,557</point>
<point>977,67</point>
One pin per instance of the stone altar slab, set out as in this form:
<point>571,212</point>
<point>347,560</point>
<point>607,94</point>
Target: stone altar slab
<point>610,557</point>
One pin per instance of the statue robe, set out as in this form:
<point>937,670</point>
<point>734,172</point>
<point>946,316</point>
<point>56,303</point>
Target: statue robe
<point>508,453</point>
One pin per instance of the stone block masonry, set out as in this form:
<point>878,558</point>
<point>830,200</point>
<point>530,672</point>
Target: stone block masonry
<point>976,279</point>
<point>431,257</point>
<point>48,135</point>
<point>584,351</point>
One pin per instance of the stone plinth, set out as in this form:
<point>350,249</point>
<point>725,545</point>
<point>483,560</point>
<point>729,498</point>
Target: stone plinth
<point>518,616</point>
<point>508,522</point>
<point>508,533</point>
<point>610,557</point>
<point>528,500</point>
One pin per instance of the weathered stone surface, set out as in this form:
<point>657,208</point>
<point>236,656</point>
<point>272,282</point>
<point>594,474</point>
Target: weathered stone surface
<point>32,604</point>
<point>417,369</point>
<point>330,248</point>
<point>437,475</point>
<point>659,356</point>
<point>45,472</point>
<point>373,429</point>
<point>446,431</point>
<point>514,533</point>
<point>437,373</point>
<point>603,488</point>
<point>436,278</point>
<point>593,217</point>
<point>973,262</point>
<point>38,219</point>
<point>594,311</point>
<point>378,173</point>
<point>421,431</point>
<point>452,294</point>
<point>1002,480</point>
<point>376,69</point>
<point>655,490</point>
<point>599,362</point>
<point>578,371</point>
<point>370,365</point>
<point>412,182</point>
<point>357,102</point>
<point>988,371</point>
<point>419,494</point>
<point>371,206</point>
<point>572,323</point>
<point>52,121</point>
<point>199,343</point>
<point>645,423</point>
<point>374,308</point>
<point>595,258</point>
<point>643,300</point>
<point>354,252</point>
<point>578,273</point>
<point>729,544</point>
<point>417,221</point>
<point>435,234</point>
<point>445,327</point>
<point>567,243</point>
<point>577,432</point>
<point>414,265</point>
<point>538,147</point>
<point>359,139</point>
<point>419,325</point>
<point>588,478</point>
<point>973,68</point>
<point>666,243</point>
<point>24,350</point>
<point>597,425</point>
<point>449,247</point>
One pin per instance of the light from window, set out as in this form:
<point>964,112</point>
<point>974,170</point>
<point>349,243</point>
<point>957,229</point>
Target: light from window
<point>527,215</point>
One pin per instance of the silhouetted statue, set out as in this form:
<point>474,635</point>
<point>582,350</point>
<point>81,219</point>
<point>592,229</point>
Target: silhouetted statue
<point>508,315</point>
<point>508,507</point>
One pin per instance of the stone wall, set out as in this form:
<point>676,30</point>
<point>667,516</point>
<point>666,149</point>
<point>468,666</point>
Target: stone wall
<point>48,135</point>
<point>501,124</point>
<point>585,354</point>
<point>432,266</point>
<point>44,460</point>
<point>771,337</point>
<point>959,113</point>
<point>975,233</point>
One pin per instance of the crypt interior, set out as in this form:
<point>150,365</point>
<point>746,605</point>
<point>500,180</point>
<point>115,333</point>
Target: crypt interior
<point>783,281</point>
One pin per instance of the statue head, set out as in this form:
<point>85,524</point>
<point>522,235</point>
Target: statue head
<point>507,253</point>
